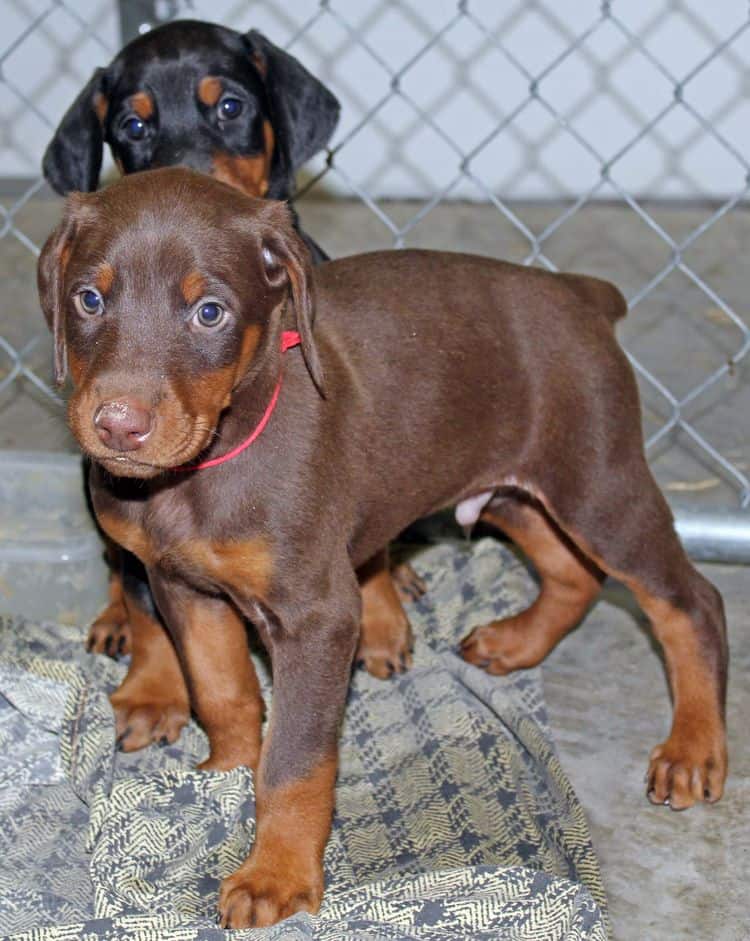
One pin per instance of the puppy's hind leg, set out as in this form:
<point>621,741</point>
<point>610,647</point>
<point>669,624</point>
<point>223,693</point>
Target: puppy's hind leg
<point>569,583</point>
<point>628,531</point>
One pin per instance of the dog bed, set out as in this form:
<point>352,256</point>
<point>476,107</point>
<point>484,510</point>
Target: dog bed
<point>453,815</point>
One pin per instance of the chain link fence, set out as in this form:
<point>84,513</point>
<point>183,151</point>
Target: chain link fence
<point>607,136</point>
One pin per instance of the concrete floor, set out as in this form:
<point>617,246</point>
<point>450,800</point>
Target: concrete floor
<point>669,875</point>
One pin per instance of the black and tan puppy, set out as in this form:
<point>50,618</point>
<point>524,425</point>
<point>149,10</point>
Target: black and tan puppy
<point>199,95</point>
<point>253,477</point>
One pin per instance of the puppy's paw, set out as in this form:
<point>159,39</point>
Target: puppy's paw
<point>684,771</point>
<point>385,647</point>
<point>409,586</point>
<point>262,893</point>
<point>110,633</point>
<point>141,720</point>
<point>501,647</point>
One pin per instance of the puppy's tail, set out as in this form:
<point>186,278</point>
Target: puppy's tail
<point>602,295</point>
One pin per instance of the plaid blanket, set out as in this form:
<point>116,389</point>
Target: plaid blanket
<point>453,816</point>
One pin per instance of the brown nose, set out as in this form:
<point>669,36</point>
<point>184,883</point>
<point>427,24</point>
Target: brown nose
<point>122,425</point>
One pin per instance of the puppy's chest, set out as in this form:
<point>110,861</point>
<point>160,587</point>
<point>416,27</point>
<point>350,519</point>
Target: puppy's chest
<point>164,538</point>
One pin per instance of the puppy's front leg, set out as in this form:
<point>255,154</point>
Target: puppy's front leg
<point>211,641</point>
<point>312,649</point>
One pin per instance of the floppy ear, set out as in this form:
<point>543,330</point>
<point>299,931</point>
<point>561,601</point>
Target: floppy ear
<point>73,158</point>
<point>286,259</point>
<point>305,112</point>
<point>50,275</point>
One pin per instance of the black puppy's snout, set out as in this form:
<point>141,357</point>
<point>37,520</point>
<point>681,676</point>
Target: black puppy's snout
<point>123,424</point>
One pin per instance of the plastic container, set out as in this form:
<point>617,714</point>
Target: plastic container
<point>51,556</point>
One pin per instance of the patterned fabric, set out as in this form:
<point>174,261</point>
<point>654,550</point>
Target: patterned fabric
<point>453,816</point>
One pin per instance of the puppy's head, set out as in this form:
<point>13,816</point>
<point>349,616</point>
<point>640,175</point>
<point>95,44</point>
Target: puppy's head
<point>197,95</point>
<point>165,292</point>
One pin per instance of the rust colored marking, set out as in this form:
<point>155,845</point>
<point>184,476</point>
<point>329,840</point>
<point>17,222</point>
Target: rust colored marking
<point>244,567</point>
<point>248,174</point>
<point>223,683</point>
<point>101,106</point>
<point>385,639</point>
<point>77,367</point>
<point>207,394</point>
<point>570,582</point>
<point>152,703</point>
<point>284,873</point>
<point>129,535</point>
<point>260,63</point>
<point>120,167</point>
<point>209,90</point>
<point>64,257</point>
<point>105,276</point>
<point>691,765</point>
<point>250,341</point>
<point>193,287</point>
<point>143,105</point>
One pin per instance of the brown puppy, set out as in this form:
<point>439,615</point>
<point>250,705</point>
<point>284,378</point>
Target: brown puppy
<point>497,388</point>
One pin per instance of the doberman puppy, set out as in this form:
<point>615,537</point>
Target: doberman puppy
<point>241,109</point>
<point>196,94</point>
<point>258,429</point>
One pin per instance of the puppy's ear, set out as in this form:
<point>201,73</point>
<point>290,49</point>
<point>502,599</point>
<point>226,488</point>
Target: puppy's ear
<point>73,158</point>
<point>286,260</point>
<point>305,112</point>
<point>50,274</point>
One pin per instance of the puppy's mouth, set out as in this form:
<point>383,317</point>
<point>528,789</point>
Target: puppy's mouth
<point>148,462</point>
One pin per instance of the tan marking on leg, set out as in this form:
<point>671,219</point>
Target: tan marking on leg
<point>110,634</point>
<point>409,586</point>
<point>132,536</point>
<point>693,760</point>
<point>284,872</point>
<point>244,567</point>
<point>209,90</point>
<point>223,684</point>
<point>692,764</point>
<point>152,702</point>
<point>569,585</point>
<point>385,640</point>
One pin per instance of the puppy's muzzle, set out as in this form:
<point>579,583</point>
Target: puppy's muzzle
<point>123,424</point>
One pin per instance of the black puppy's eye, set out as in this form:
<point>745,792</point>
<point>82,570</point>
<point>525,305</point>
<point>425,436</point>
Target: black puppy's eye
<point>230,108</point>
<point>89,302</point>
<point>210,314</point>
<point>134,128</point>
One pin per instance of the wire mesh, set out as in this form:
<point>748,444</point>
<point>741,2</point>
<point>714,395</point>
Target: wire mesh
<point>538,113</point>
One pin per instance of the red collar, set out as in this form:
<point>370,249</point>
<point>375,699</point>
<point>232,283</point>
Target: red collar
<point>289,338</point>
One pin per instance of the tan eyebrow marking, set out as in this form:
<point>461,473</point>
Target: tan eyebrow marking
<point>193,287</point>
<point>101,105</point>
<point>143,104</point>
<point>209,90</point>
<point>104,278</point>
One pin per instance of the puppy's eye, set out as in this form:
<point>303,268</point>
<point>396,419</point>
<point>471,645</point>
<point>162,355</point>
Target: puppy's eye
<point>89,302</point>
<point>229,108</point>
<point>210,314</point>
<point>134,128</point>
